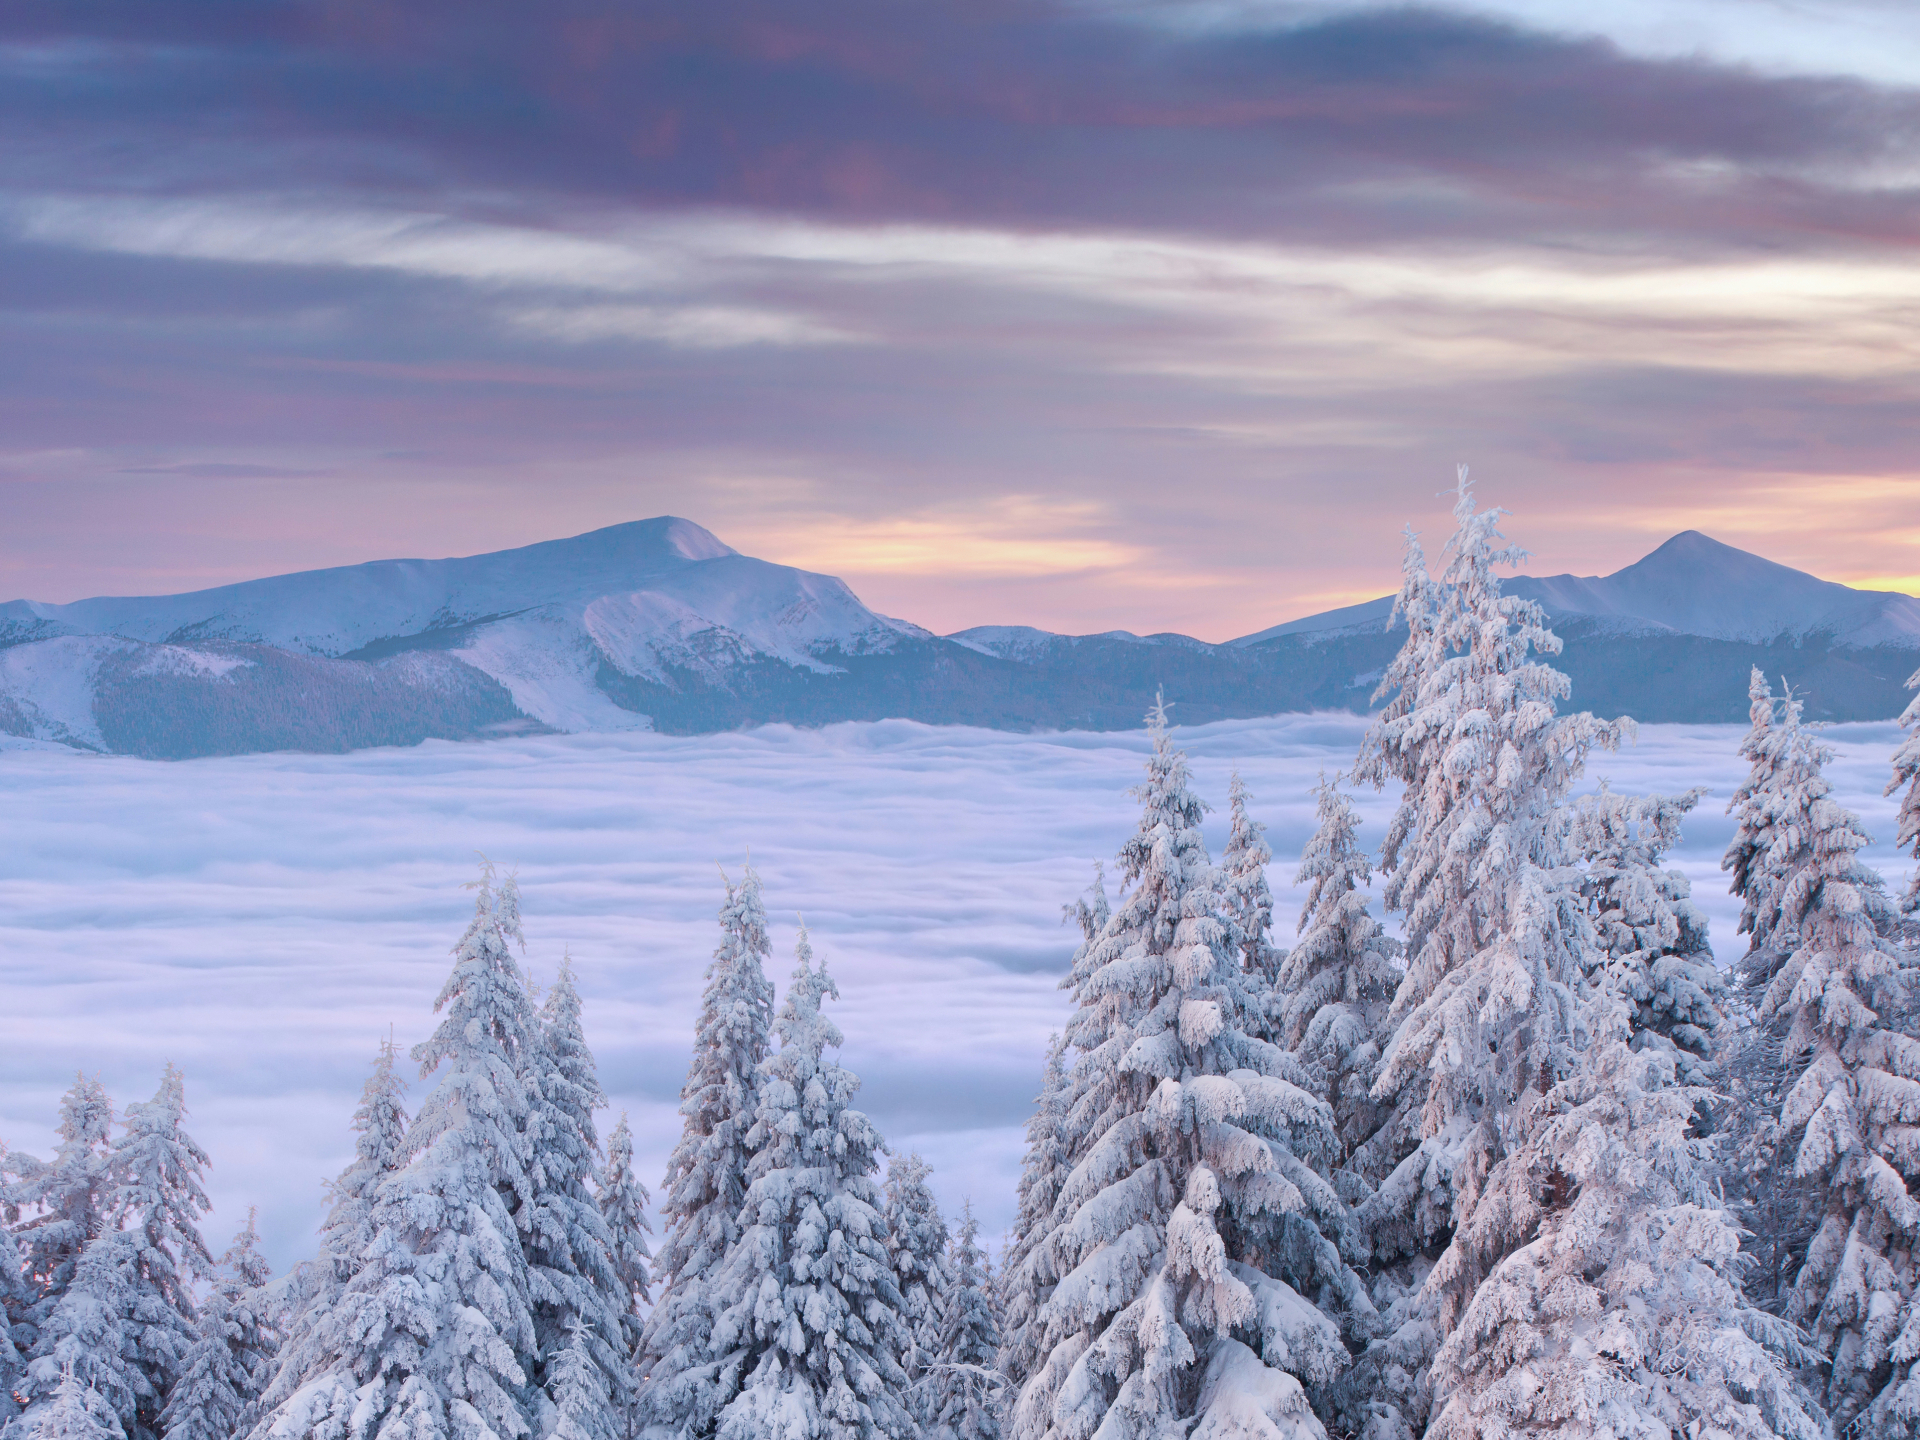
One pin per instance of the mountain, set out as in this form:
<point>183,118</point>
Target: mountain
<point>658,624</point>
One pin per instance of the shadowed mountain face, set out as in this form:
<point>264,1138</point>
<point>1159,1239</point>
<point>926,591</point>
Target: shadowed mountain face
<point>658,624</point>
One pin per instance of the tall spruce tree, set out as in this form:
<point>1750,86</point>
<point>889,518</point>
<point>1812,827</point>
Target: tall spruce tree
<point>1027,1269</point>
<point>64,1202</point>
<point>961,1388</point>
<point>579,1298</point>
<point>1333,987</point>
<point>808,1311</point>
<point>1906,771</point>
<point>15,1297</point>
<point>917,1241</point>
<point>232,1359</point>
<point>1190,1190</point>
<point>706,1183</point>
<point>433,1338</point>
<point>1498,940</point>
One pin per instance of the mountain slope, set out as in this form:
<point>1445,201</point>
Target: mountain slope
<point>659,624</point>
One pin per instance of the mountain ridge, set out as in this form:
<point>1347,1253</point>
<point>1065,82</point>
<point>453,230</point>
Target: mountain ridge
<point>659,623</point>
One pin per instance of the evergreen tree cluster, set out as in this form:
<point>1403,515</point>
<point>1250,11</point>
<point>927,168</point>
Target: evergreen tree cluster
<point>1534,1166</point>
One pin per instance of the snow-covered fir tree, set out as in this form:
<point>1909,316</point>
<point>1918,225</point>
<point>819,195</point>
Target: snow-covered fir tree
<point>809,1327</point>
<point>1498,941</point>
<point>64,1203</point>
<point>1595,1289</point>
<point>1850,1120</point>
<point>1248,902</point>
<point>76,1412</point>
<point>1333,987</point>
<point>706,1181</point>
<point>15,1297</point>
<point>1650,937</point>
<point>1906,771</point>
<point>126,1322</point>
<point>1769,844</point>
<point>623,1202</point>
<point>433,1338</point>
<point>1190,1195</point>
<point>231,1361</point>
<point>962,1385</point>
<point>1027,1271</point>
<point>580,1301</point>
<point>917,1241</point>
<point>346,1235</point>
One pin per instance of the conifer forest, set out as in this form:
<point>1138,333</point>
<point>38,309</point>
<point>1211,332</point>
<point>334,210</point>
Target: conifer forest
<point>1505,1154</point>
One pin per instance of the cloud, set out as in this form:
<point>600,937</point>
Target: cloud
<point>262,921</point>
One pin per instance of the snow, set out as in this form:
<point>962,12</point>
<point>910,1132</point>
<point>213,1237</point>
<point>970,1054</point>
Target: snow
<point>262,920</point>
<point>51,681</point>
<point>1692,585</point>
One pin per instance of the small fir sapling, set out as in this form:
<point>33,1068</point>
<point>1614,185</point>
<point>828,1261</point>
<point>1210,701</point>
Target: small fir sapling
<point>1906,771</point>
<point>917,1242</point>
<point>623,1200</point>
<point>64,1202</point>
<point>1028,1271</point>
<point>1248,902</point>
<point>1334,985</point>
<point>808,1313</point>
<point>230,1363</point>
<point>963,1384</point>
<point>706,1181</point>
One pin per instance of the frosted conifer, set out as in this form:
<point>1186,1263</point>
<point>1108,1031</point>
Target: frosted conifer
<point>623,1202</point>
<point>1906,771</point>
<point>917,1241</point>
<point>231,1361</point>
<point>1333,987</point>
<point>65,1201</point>
<point>1190,1191</point>
<point>579,1298</point>
<point>15,1297</point>
<point>1604,1277</point>
<point>1475,860</point>
<point>809,1317</point>
<point>76,1412</point>
<point>433,1339</point>
<point>706,1181</point>
<point>1028,1273</point>
<point>1651,939</point>
<point>1246,899</point>
<point>962,1400</point>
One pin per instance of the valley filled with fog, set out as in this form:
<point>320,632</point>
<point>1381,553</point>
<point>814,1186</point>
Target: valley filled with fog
<point>261,921</point>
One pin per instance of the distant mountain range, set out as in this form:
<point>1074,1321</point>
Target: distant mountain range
<point>658,624</point>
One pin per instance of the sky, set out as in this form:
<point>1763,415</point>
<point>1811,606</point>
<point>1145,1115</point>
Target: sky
<point>1142,314</point>
<point>301,907</point>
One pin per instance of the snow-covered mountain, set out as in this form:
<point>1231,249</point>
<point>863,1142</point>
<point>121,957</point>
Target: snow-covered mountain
<point>658,623</point>
<point>1691,585</point>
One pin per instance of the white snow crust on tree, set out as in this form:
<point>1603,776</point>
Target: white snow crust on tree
<point>579,1300</point>
<point>962,1387</point>
<point>1604,1277</point>
<point>706,1180</point>
<point>434,1336</point>
<point>623,1202</point>
<point>15,1297</point>
<point>1906,771</point>
<point>126,1322</point>
<point>1027,1273</point>
<point>233,1357</point>
<point>76,1412</point>
<point>1247,900</point>
<point>1475,861</point>
<point>917,1240</point>
<point>1850,1119</point>
<point>1651,938</point>
<point>808,1326</point>
<point>1334,985</point>
<point>1188,1135</point>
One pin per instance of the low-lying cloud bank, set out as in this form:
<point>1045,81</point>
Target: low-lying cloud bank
<point>262,921</point>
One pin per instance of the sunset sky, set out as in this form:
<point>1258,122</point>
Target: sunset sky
<point>1143,315</point>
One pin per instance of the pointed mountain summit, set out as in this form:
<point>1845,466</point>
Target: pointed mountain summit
<point>1691,585</point>
<point>659,624</point>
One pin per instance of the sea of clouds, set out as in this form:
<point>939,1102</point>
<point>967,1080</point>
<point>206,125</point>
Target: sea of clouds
<point>264,921</point>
